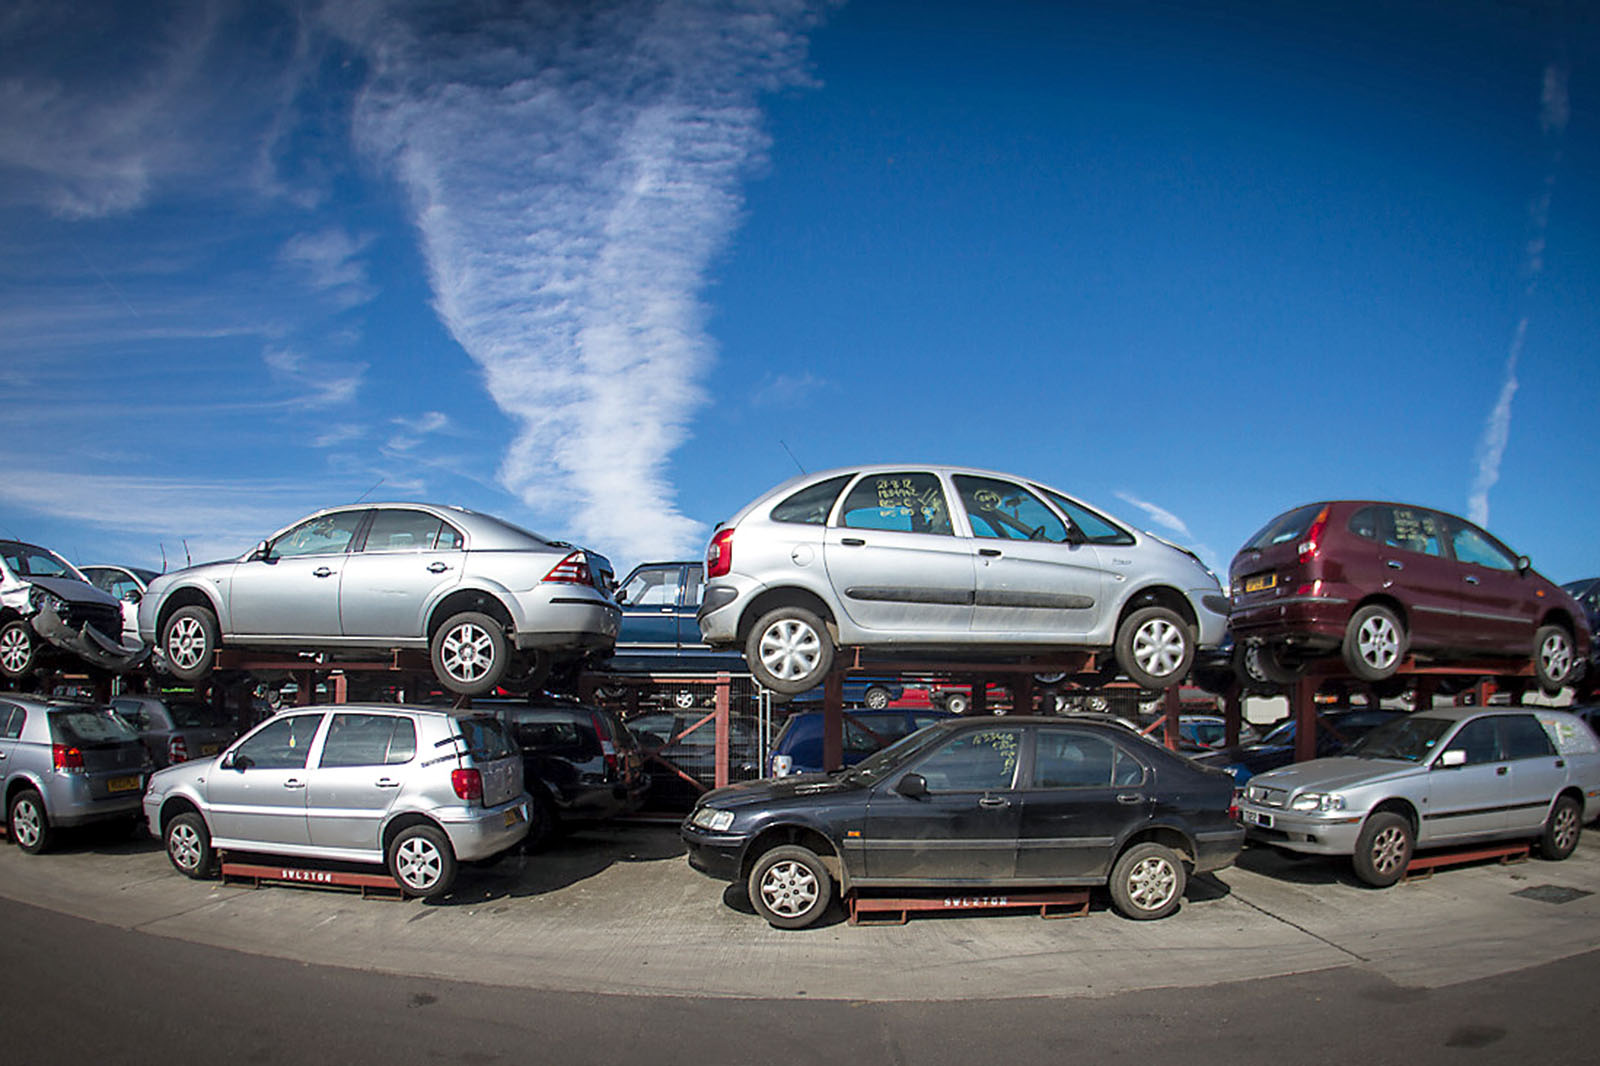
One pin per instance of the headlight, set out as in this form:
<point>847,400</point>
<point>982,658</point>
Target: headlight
<point>1255,793</point>
<point>1318,801</point>
<point>712,819</point>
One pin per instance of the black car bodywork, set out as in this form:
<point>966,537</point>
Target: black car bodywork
<point>987,804</point>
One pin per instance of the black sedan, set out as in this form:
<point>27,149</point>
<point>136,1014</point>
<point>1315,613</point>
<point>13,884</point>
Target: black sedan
<point>1023,802</point>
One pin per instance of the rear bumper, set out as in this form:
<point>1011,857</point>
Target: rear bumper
<point>478,833</point>
<point>1217,848</point>
<point>1311,622</point>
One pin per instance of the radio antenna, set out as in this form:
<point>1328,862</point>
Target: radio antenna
<point>791,455</point>
<point>364,495</point>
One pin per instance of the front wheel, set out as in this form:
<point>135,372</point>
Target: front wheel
<point>18,650</point>
<point>421,859</point>
<point>1561,830</point>
<point>470,653</point>
<point>790,887</point>
<point>189,643</point>
<point>875,698</point>
<point>30,826</point>
<point>189,845</point>
<point>1155,647</point>
<point>1374,643</point>
<point>789,650</point>
<point>1553,658</point>
<point>1147,882</point>
<point>1383,850</point>
<point>957,703</point>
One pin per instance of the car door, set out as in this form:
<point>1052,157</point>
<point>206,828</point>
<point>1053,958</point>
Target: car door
<point>894,560</point>
<point>1084,793</point>
<point>256,796</point>
<point>293,588</point>
<point>1033,574</point>
<point>11,718</point>
<point>1469,800</point>
<point>963,828</point>
<point>1498,612</point>
<point>359,771</point>
<point>1538,770</point>
<point>1407,560</point>
<point>651,609</point>
<point>406,560</point>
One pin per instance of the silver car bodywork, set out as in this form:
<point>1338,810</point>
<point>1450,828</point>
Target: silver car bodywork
<point>1482,792</point>
<point>293,803</point>
<point>57,605</point>
<point>967,585</point>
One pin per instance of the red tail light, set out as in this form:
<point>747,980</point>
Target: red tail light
<point>467,783</point>
<point>608,750</point>
<point>573,570</point>
<point>1308,547</point>
<point>719,554</point>
<point>66,758</point>
<point>177,750</point>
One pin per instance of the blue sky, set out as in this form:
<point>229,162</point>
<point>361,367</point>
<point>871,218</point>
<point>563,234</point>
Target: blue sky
<point>600,268</point>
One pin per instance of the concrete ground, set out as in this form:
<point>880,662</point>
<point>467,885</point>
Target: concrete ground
<point>618,910</point>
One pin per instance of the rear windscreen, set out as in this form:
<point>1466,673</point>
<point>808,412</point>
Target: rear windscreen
<point>89,727</point>
<point>195,716</point>
<point>486,738</point>
<point>1285,528</point>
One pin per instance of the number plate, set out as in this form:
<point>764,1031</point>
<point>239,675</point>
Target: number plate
<point>123,784</point>
<point>1260,582</point>
<point>513,816</point>
<point>1257,818</point>
<point>209,749</point>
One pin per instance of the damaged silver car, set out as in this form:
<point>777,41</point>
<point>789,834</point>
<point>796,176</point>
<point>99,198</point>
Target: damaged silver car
<point>48,611</point>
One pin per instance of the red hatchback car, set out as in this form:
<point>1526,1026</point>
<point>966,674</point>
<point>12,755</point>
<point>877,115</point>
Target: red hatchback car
<point>1375,582</point>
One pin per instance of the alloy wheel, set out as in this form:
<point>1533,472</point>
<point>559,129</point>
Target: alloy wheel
<point>790,649</point>
<point>184,846</point>
<point>14,649</point>
<point>1151,883</point>
<point>1555,654</point>
<point>1566,829</point>
<point>27,824</point>
<point>468,653</point>
<point>1378,642</point>
<point>1388,850</point>
<point>1158,647</point>
<point>789,889</point>
<point>186,643</point>
<point>419,864</point>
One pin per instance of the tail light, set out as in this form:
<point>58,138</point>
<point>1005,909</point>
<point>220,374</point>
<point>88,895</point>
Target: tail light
<point>66,758</point>
<point>177,750</point>
<point>1308,547</point>
<point>719,554</point>
<point>573,570</point>
<point>467,783</point>
<point>608,750</point>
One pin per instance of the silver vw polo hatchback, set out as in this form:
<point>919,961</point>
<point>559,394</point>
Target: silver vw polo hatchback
<point>484,598</point>
<point>419,789</point>
<point>946,559</point>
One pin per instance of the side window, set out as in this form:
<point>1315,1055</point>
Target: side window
<point>326,534</point>
<point>536,730</point>
<point>691,585</point>
<point>1066,759</point>
<point>1368,523</point>
<point>1471,545</point>
<point>1522,737</point>
<point>1477,738</point>
<point>656,587</point>
<point>283,744</point>
<point>980,761</point>
<point>11,719</point>
<point>898,503</point>
<point>132,713</point>
<point>1003,511</point>
<point>1095,528</point>
<point>810,506</point>
<point>369,740</point>
<point>1413,531</point>
<point>103,579</point>
<point>450,539</point>
<point>402,531</point>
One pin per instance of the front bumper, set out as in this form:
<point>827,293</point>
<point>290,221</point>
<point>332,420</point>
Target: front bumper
<point>88,643</point>
<point>1333,833</point>
<point>479,832</point>
<point>718,855</point>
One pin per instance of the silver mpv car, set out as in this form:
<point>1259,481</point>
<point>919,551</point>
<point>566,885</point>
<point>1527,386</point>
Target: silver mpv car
<point>420,789</point>
<point>948,559</point>
<point>484,598</point>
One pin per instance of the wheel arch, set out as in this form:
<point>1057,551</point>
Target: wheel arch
<point>403,821</point>
<point>190,596</point>
<point>474,599</point>
<point>1379,599</point>
<point>174,806</point>
<point>787,596</point>
<point>1160,596</point>
<point>1577,794</point>
<point>1402,807</point>
<point>1166,835</point>
<point>24,782</point>
<point>1559,616</point>
<point>805,836</point>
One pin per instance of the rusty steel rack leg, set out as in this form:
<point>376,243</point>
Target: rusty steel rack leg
<point>868,909</point>
<point>372,886</point>
<point>1421,867</point>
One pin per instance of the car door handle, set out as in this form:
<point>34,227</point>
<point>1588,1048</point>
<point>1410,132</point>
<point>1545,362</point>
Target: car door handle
<point>668,610</point>
<point>322,571</point>
<point>1129,798</point>
<point>1501,771</point>
<point>294,782</point>
<point>1394,564</point>
<point>1471,580</point>
<point>387,782</point>
<point>437,568</point>
<point>852,542</point>
<point>994,802</point>
<point>1561,764</point>
<point>991,552</point>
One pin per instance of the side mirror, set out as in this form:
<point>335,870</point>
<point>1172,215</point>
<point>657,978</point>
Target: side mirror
<point>1524,564</point>
<point>1452,758</point>
<point>621,596</point>
<point>262,553</point>
<point>912,786</point>
<point>133,595</point>
<point>1075,535</point>
<point>238,762</point>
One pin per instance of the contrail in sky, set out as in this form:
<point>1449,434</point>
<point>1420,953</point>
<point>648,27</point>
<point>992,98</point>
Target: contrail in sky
<point>1554,113</point>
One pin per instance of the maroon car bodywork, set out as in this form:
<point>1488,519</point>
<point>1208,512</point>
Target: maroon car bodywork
<point>1459,593</point>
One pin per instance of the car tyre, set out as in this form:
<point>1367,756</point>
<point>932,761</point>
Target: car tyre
<point>1262,667</point>
<point>1374,643</point>
<point>957,703</point>
<point>422,860</point>
<point>1561,830</point>
<point>789,650</point>
<point>1383,850</point>
<point>1155,647</point>
<point>188,843</point>
<point>544,824</point>
<point>1552,658</point>
<point>470,653</point>
<point>28,822</point>
<point>18,650</point>
<point>1147,882</point>
<point>875,698</point>
<point>189,642</point>
<point>790,887</point>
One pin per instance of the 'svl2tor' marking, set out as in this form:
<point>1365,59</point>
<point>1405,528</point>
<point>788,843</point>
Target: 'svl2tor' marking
<point>975,901</point>
<point>321,877</point>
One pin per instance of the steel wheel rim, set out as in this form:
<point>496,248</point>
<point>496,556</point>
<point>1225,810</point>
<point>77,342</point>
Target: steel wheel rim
<point>1566,829</point>
<point>468,652</point>
<point>1555,655</point>
<point>876,700</point>
<point>183,845</point>
<point>1388,849</point>
<point>789,889</point>
<point>14,649</point>
<point>419,864</point>
<point>684,701</point>
<point>186,643</point>
<point>1158,647</point>
<point>1152,883</point>
<point>1378,642</point>
<point>25,824</point>
<point>790,649</point>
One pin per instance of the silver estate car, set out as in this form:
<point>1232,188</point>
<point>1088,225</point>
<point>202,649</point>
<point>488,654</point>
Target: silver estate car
<point>1434,778</point>
<point>483,597</point>
<point>947,559</point>
<point>66,763</point>
<point>420,789</point>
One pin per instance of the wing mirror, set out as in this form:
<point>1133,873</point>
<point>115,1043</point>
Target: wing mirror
<point>263,553</point>
<point>238,761</point>
<point>621,596</point>
<point>1454,757</point>
<point>1524,564</point>
<point>133,595</point>
<point>912,786</point>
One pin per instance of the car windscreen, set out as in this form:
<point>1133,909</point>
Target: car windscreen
<point>486,738</point>
<point>196,716</point>
<point>1284,528</point>
<point>874,766</point>
<point>1410,738</point>
<point>89,727</point>
<point>1280,736</point>
<point>28,561</point>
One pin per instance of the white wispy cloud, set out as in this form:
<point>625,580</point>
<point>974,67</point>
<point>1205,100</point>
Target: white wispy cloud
<point>571,174</point>
<point>1159,515</point>
<point>415,430</point>
<point>331,260</point>
<point>324,383</point>
<point>787,390</point>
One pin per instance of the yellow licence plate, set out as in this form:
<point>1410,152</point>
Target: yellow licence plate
<point>513,816</point>
<point>123,784</point>
<point>1260,582</point>
<point>209,749</point>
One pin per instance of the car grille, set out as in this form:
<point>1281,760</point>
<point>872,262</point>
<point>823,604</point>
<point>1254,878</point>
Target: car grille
<point>1267,797</point>
<point>108,620</point>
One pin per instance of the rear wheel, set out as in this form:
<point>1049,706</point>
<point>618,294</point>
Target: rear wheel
<point>17,649</point>
<point>1154,647</point>
<point>30,826</point>
<point>1147,882</point>
<point>789,650</point>
<point>544,824</point>
<point>1374,643</point>
<point>421,859</point>
<point>470,653</point>
<point>1383,849</point>
<point>1553,658</point>
<point>189,642</point>
<point>1561,830</point>
<point>790,887</point>
<point>957,703</point>
<point>189,845</point>
<point>876,697</point>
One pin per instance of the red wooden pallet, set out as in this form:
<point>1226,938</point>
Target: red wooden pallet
<point>897,910</point>
<point>1426,864</point>
<point>372,886</point>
